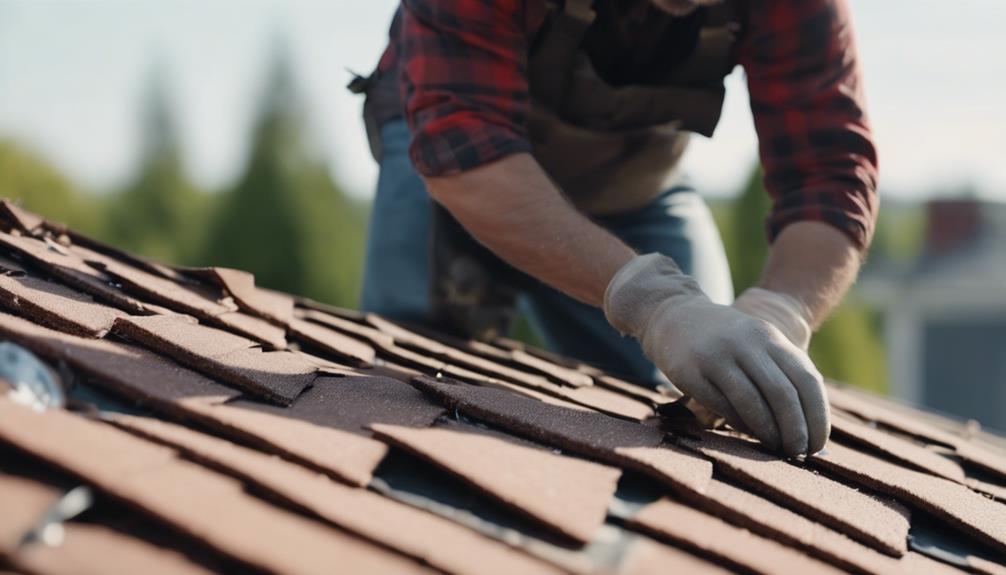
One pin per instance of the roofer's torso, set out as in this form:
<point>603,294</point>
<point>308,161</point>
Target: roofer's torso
<point>615,85</point>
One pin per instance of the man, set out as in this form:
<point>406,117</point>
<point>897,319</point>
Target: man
<point>551,131</point>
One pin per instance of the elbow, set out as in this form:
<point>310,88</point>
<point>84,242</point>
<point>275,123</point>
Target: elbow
<point>448,191</point>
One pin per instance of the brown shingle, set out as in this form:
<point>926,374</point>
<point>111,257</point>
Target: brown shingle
<point>68,237</point>
<point>89,549</point>
<point>17,218</point>
<point>182,336</point>
<point>253,327</point>
<point>566,494</point>
<point>608,401</point>
<point>276,376</point>
<point>461,358</point>
<point>204,505</point>
<point>887,413</point>
<point>854,513</point>
<point>346,456</point>
<point>992,489</point>
<point>853,402</point>
<point>517,357</point>
<point>207,302</point>
<point>429,365</point>
<point>57,306</point>
<point>596,398</point>
<point>653,396</point>
<point>58,262</point>
<point>440,542</point>
<point>904,451</point>
<point>960,507</point>
<point>614,441</point>
<point>194,299</point>
<point>124,369</point>
<point>332,341</point>
<point>279,375</point>
<point>712,536</point>
<point>373,335</point>
<point>387,348</point>
<point>353,403</point>
<point>264,303</point>
<point>775,522</point>
<point>163,385</point>
<point>982,457</point>
<point>647,557</point>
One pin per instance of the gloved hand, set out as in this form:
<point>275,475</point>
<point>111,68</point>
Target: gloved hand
<point>783,311</point>
<point>735,364</point>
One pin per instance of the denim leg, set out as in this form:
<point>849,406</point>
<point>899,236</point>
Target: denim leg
<point>678,224</point>
<point>396,274</point>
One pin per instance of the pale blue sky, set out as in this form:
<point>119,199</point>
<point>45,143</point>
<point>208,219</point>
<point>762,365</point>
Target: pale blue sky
<point>72,74</point>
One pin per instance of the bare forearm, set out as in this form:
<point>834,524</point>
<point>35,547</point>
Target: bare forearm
<point>816,264</point>
<point>512,208</point>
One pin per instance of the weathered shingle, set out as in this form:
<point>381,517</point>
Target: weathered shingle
<point>296,431</point>
<point>421,535</point>
<point>737,546</point>
<point>592,434</point>
<point>959,506</point>
<point>852,512</point>
<point>57,306</point>
<point>277,376</point>
<point>566,494</point>
<point>188,497</point>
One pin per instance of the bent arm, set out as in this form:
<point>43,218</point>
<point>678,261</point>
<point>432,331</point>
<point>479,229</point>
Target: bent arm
<point>815,264</point>
<point>817,150</point>
<point>512,207</point>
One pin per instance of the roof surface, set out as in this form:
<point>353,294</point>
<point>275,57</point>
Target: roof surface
<point>213,426</point>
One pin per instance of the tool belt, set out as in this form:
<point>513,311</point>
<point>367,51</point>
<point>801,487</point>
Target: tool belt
<point>473,292</point>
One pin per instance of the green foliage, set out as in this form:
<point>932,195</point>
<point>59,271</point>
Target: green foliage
<point>900,233</point>
<point>847,348</point>
<point>27,178</point>
<point>286,221</point>
<point>750,247</point>
<point>160,214</point>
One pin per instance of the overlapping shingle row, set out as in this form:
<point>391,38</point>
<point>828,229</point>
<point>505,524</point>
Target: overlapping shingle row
<point>224,427</point>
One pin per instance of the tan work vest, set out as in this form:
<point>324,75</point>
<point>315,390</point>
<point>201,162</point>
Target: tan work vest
<point>614,149</point>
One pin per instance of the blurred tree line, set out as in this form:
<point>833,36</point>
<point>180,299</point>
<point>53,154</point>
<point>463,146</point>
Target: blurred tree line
<point>286,220</point>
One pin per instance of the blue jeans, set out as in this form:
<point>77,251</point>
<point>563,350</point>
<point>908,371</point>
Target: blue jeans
<point>396,276</point>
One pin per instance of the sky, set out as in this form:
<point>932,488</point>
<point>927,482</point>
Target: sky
<point>73,75</point>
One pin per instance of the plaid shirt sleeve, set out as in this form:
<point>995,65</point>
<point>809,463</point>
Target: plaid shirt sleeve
<point>463,80</point>
<point>807,99</point>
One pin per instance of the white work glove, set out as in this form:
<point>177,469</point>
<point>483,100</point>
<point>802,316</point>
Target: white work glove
<point>735,364</point>
<point>783,311</point>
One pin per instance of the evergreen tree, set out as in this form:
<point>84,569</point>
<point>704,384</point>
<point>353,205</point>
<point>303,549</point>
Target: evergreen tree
<point>286,221</point>
<point>847,348</point>
<point>160,214</point>
<point>28,179</point>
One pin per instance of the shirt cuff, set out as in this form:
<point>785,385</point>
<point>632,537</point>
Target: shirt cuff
<point>858,227</point>
<point>455,149</point>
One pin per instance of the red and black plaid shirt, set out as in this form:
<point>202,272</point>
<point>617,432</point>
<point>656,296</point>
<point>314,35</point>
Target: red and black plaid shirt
<point>462,67</point>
